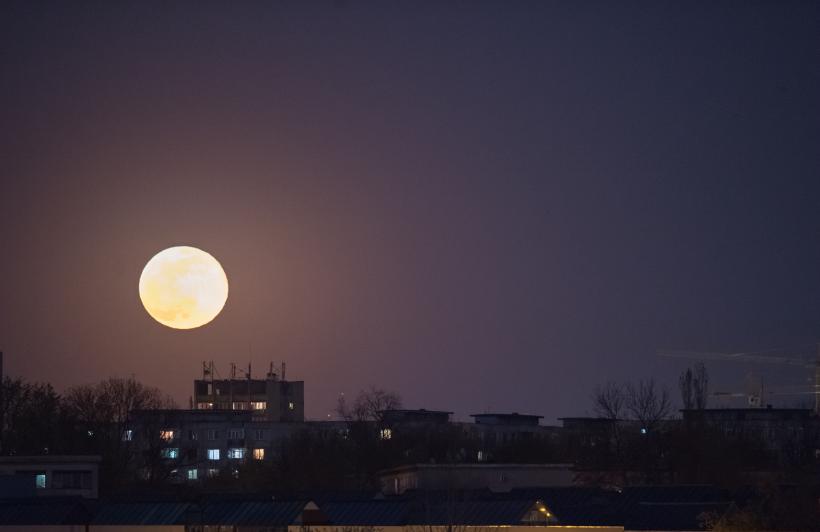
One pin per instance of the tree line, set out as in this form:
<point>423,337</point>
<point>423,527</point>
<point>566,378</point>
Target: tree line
<point>630,439</point>
<point>88,419</point>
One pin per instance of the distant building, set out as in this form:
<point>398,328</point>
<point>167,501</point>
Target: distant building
<point>196,444</point>
<point>421,416</point>
<point>233,421</point>
<point>776,428</point>
<point>514,419</point>
<point>54,475</point>
<point>269,399</point>
<point>496,430</point>
<point>495,477</point>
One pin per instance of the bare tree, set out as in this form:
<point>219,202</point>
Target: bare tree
<point>102,411</point>
<point>33,421</point>
<point>369,405</point>
<point>107,404</point>
<point>646,403</point>
<point>609,400</point>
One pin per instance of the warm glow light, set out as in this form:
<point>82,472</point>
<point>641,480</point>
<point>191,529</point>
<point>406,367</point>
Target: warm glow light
<point>183,287</point>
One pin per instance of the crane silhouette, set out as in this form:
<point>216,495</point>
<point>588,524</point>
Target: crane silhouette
<point>806,357</point>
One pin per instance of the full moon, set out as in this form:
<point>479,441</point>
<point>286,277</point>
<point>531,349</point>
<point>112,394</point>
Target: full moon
<point>183,287</point>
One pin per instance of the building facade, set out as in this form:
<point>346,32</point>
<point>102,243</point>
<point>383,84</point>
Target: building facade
<point>55,475</point>
<point>270,399</point>
<point>495,477</point>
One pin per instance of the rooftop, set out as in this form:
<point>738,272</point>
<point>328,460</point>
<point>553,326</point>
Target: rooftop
<point>414,467</point>
<point>512,415</point>
<point>414,411</point>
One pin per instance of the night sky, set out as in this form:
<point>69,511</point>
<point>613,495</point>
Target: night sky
<point>480,205</point>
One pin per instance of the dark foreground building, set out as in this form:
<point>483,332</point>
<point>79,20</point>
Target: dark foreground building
<point>675,508</point>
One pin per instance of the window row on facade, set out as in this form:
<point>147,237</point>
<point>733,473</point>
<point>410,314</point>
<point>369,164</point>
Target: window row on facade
<point>168,435</point>
<point>232,453</point>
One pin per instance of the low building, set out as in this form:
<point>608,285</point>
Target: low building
<point>433,513</point>
<point>55,475</point>
<point>57,514</point>
<point>495,477</point>
<point>657,508</point>
<point>497,431</point>
<point>215,515</point>
<point>774,427</point>
<point>515,419</point>
<point>417,416</point>
<point>787,434</point>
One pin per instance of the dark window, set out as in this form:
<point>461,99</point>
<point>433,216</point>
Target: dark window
<point>71,480</point>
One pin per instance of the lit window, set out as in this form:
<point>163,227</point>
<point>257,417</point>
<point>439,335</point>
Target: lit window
<point>166,435</point>
<point>193,474</point>
<point>291,406</point>
<point>236,434</point>
<point>40,480</point>
<point>259,454</point>
<point>213,454</point>
<point>171,452</point>
<point>212,434</point>
<point>238,405</point>
<point>213,472</point>
<point>236,453</point>
<point>192,435</point>
<point>128,435</point>
<point>258,405</point>
<point>480,456</point>
<point>643,430</point>
<point>204,406</point>
<point>386,434</point>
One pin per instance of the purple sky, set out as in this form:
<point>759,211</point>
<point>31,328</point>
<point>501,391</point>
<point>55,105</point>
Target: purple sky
<point>480,205</point>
